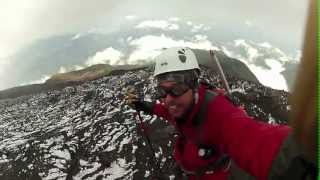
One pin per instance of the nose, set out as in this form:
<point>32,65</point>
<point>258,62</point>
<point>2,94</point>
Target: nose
<point>168,99</point>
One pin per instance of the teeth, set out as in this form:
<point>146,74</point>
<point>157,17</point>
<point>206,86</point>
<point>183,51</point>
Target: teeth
<point>173,107</point>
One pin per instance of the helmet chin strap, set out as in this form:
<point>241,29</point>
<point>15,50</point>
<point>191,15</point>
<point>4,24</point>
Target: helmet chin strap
<point>195,96</point>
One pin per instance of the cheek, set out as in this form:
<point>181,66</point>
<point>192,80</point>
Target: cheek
<point>186,100</point>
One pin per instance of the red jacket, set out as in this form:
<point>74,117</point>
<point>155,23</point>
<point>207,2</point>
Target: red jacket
<point>251,144</point>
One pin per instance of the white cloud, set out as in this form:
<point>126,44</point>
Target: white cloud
<point>249,23</point>
<point>108,56</point>
<point>175,19</point>
<point>227,52</point>
<point>62,70</point>
<point>255,51</point>
<point>252,52</point>
<point>207,28</point>
<point>196,28</point>
<point>143,54</point>
<point>3,64</point>
<point>265,45</point>
<point>281,53</point>
<point>39,81</point>
<point>150,46</point>
<point>77,36</point>
<point>298,56</point>
<point>275,65</point>
<point>131,17</point>
<point>272,78</point>
<point>160,24</point>
<point>240,42</point>
<point>2,53</point>
<point>129,38</point>
<point>189,23</point>
<point>3,73</point>
<point>200,37</point>
<point>77,67</point>
<point>247,52</point>
<point>96,30</point>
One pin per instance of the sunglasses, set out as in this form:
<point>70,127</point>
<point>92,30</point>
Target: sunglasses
<point>175,91</point>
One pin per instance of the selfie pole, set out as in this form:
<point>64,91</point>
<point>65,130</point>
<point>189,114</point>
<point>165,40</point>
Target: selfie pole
<point>223,77</point>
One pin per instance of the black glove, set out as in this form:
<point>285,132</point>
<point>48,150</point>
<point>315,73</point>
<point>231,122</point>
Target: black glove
<point>136,103</point>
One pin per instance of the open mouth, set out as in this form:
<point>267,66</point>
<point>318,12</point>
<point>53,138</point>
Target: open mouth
<point>173,108</point>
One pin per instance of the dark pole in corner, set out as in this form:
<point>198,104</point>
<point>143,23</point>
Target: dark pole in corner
<point>223,77</point>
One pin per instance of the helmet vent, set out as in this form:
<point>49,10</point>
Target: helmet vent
<point>182,55</point>
<point>164,64</point>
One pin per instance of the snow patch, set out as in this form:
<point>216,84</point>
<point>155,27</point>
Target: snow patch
<point>147,174</point>
<point>134,148</point>
<point>64,154</point>
<point>118,169</point>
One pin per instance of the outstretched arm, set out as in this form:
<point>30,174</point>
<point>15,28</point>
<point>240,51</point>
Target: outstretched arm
<point>253,145</point>
<point>148,107</point>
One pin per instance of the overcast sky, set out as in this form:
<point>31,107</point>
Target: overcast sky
<point>23,21</point>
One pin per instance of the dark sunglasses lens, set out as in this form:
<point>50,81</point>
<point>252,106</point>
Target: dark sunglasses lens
<point>179,90</point>
<point>161,92</point>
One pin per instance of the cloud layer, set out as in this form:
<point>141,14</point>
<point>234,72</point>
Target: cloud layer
<point>23,21</point>
<point>141,41</point>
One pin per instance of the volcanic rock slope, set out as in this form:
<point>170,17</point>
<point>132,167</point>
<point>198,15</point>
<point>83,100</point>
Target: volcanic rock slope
<point>88,132</point>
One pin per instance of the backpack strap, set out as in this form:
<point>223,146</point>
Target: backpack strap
<point>197,122</point>
<point>224,160</point>
<point>202,114</point>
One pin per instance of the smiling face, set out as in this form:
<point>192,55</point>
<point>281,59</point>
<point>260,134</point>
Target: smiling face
<point>177,106</point>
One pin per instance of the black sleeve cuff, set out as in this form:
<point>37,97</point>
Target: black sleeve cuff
<point>144,106</point>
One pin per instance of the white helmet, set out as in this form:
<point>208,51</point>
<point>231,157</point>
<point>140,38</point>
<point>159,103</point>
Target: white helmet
<point>175,59</point>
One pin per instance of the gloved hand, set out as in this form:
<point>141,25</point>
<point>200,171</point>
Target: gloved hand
<point>131,97</point>
<point>133,100</point>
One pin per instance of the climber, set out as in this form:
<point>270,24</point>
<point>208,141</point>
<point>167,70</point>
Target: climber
<point>214,135</point>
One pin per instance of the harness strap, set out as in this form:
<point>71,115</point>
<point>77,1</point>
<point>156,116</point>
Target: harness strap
<point>224,160</point>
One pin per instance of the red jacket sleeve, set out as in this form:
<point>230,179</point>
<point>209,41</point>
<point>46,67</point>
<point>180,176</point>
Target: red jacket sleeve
<point>253,145</point>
